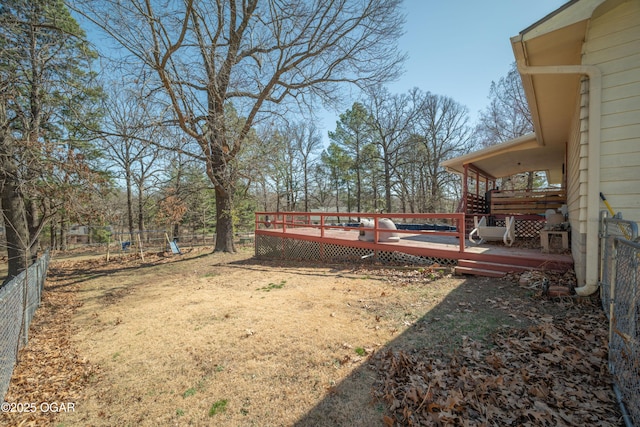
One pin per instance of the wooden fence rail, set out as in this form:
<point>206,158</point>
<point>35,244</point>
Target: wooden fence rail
<point>526,202</point>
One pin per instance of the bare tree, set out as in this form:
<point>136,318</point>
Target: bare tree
<point>321,192</point>
<point>307,142</point>
<point>126,145</point>
<point>255,54</point>
<point>507,116</point>
<point>391,118</point>
<point>442,128</point>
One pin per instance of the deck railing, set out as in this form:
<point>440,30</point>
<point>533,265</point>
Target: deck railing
<point>509,202</point>
<point>526,202</point>
<point>442,224</point>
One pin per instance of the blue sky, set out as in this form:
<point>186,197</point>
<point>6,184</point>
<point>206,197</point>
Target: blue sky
<point>457,48</point>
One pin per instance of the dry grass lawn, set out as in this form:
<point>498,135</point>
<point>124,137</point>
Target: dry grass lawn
<point>227,340</point>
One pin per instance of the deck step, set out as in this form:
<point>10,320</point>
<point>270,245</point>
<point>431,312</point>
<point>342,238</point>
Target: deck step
<point>479,272</point>
<point>486,265</point>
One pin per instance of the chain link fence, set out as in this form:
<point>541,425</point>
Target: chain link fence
<point>620,294</point>
<point>610,230</point>
<point>19,300</point>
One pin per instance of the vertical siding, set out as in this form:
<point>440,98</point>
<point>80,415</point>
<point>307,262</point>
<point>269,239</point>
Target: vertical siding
<point>613,44</point>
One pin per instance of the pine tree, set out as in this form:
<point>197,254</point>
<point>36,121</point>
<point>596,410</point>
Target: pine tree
<point>47,94</point>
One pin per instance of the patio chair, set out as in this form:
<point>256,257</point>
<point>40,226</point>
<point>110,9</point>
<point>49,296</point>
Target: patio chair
<point>485,232</point>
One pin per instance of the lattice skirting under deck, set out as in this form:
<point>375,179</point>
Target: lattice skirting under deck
<point>271,247</point>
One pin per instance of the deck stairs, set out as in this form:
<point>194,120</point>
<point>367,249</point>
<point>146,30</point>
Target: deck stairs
<point>501,267</point>
<point>488,269</point>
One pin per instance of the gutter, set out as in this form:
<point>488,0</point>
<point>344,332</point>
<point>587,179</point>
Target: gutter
<point>593,160</point>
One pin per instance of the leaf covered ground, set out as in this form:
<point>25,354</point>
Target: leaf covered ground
<point>552,373</point>
<point>227,340</point>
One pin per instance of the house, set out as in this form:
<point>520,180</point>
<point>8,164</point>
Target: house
<point>78,234</point>
<point>580,67</point>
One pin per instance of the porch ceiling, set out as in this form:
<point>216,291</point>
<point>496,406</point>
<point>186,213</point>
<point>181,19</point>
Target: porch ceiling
<point>519,155</point>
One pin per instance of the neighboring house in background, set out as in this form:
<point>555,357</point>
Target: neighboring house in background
<point>580,67</point>
<point>78,234</point>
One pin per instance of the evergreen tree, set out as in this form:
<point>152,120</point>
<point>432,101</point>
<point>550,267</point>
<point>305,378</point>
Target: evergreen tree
<point>47,98</point>
<point>353,134</point>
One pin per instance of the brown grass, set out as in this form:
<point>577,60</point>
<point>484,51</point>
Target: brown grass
<point>227,340</point>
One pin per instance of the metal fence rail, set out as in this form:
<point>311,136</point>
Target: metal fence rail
<point>620,294</point>
<point>19,300</point>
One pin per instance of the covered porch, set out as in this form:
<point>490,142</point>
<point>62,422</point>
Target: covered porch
<point>481,170</point>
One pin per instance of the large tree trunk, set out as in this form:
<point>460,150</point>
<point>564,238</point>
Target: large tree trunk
<point>176,231</point>
<point>15,220</point>
<point>13,208</point>
<point>33,222</point>
<point>63,232</point>
<point>53,236</point>
<point>387,186</point>
<point>224,222</point>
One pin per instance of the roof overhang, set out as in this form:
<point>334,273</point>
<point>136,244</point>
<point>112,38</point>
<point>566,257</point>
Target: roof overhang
<point>516,156</point>
<point>555,40</point>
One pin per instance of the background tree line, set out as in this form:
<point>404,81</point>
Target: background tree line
<point>195,117</point>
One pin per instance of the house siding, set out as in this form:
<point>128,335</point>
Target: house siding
<point>613,44</point>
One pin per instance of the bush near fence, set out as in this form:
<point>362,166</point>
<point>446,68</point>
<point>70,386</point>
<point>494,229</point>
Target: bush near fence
<point>19,300</point>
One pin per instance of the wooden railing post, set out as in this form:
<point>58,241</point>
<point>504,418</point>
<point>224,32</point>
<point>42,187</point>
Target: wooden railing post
<point>375,229</point>
<point>461,231</point>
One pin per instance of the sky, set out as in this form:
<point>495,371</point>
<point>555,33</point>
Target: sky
<point>456,48</point>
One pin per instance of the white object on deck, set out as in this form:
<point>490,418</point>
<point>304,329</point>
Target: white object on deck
<point>383,236</point>
<point>485,232</point>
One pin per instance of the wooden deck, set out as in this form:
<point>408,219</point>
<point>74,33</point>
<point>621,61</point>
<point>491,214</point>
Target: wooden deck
<point>426,244</point>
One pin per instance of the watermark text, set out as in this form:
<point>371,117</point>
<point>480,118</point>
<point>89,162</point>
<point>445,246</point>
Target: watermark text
<point>24,407</point>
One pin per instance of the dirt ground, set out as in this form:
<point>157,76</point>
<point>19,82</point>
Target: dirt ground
<point>227,340</point>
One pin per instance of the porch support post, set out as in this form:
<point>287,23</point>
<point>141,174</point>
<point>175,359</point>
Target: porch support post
<point>477,184</point>
<point>465,181</point>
